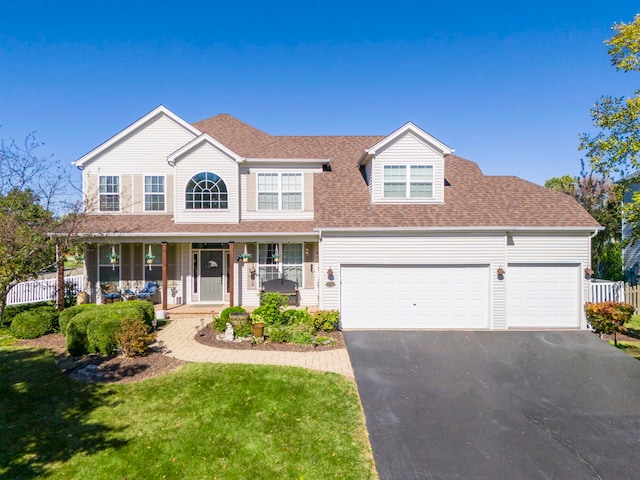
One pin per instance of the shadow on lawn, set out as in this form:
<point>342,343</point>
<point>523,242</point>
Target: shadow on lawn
<point>44,416</point>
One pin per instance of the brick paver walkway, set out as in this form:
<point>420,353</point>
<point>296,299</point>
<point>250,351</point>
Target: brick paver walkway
<point>178,341</point>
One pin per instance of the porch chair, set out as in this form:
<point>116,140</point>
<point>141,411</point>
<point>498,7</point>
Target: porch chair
<point>110,293</point>
<point>148,292</point>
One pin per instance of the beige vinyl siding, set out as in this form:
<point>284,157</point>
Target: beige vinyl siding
<point>207,158</point>
<point>407,150</point>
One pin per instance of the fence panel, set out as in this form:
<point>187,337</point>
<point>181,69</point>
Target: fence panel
<point>42,290</point>
<point>632,295</point>
<point>607,292</point>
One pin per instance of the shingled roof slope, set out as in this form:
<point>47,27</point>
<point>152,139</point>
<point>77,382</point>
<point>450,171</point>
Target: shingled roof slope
<point>342,198</point>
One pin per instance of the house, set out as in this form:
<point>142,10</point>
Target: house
<point>394,231</point>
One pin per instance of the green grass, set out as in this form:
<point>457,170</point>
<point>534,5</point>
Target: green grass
<point>630,348</point>
<point>204,421</point>
<point>6,338</point>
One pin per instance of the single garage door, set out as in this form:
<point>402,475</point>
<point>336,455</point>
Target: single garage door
<point>443,296</point>
<point>543,296</point>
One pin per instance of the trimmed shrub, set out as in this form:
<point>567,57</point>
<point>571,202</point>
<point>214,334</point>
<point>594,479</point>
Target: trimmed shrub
<point>34,323</point>
<point>139,309</point>
<point>101,335</point>
<point>326,320</point>
<point>609,317</point>
<point>68,313</point>
<point>133,337</point>
<point>257,316</point>
<point>77,343</point>
<point>220,323</point>
<point>242,328</point>
<point>10,311</point>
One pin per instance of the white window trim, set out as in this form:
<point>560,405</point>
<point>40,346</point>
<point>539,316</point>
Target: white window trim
<point>408,182</point>
<point>144,193</point>
<point>119,177</point>
<point>279,191</point>
<point>185,193</point>
<point>280,265</point>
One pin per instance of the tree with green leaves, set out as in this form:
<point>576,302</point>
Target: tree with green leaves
<point>601,197</point>
<point>32,207</point>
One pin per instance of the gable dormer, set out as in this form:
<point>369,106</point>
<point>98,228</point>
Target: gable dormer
<point>206,182</point>
<point>406,167</point>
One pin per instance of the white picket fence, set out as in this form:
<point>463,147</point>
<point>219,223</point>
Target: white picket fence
<point>41,290</point>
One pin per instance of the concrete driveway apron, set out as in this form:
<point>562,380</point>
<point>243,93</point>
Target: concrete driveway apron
<point>498,405</point>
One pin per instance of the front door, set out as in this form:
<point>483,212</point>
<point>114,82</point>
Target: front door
<point>211,276</point>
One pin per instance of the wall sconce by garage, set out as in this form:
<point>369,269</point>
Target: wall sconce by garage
<point>588,272</point>
<point>500,271</point>
<point>330,274</point>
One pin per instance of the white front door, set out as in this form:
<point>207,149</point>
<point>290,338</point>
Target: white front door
<point>415,297</point>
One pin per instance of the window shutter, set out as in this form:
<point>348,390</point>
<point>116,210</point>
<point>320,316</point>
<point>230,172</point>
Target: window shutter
<point>138,193</point>
<point>169,199</point>
<point>308,192</point>
<point>91,191</point>
<point>250,197</point>
<point>126,199</point>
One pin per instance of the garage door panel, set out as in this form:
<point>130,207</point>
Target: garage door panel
<point>543,296</point>
<point>415,296</point>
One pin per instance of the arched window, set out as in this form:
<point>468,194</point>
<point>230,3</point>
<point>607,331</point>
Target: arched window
<point>206,190</point>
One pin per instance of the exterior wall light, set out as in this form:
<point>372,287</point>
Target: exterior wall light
<point>330,273</point>
<point>500,271</point>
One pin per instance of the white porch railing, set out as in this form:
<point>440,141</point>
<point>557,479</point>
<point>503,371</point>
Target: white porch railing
<point>41,290</point>
<point>606,291</point>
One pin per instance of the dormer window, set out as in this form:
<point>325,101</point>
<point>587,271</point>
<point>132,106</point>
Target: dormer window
<point>408,181</point>
<point>206,191</point>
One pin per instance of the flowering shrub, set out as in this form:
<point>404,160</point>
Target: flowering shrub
<point>608,317</point>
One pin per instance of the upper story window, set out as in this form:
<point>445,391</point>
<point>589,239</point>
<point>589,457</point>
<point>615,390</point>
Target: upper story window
<point>206,190</point>
<point>109,191</point>
<point>279,191</point>
<point>154,192</point>
<point>413,181</point>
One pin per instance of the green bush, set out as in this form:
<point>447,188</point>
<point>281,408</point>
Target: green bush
<point>326,320</point>
<point>242,328</point>
<point>76,332</point>
<point>139,309</point>
<point>101,335</point>
<point>34,323</point>
<point>133,337</point>
<point>68,313</point>
<point>301,333</point>
<point>278,334</point>
<point>11,311</point>
<point>220,323</point>
<point>273,303</point>
<point>257,316</point>
<point>293,317</point>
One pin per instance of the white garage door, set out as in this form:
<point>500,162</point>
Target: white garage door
<point>543,296</point>
<point>380,297</point>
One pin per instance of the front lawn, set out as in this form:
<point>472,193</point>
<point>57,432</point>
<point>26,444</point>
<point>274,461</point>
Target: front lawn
<point>630,348</point>
<point>203,421</point>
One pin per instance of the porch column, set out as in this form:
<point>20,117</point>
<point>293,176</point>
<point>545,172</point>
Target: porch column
<point>60,270</point>
<point>164,275</point>
<point>232,270</point>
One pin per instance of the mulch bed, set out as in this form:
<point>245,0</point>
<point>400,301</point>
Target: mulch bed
<point>208,336</point>
<point>102,369</point>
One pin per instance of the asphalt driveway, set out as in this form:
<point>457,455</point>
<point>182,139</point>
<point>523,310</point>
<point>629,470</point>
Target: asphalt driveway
<point>498,405</point>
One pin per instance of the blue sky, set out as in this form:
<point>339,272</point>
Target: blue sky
<point>508,84</point>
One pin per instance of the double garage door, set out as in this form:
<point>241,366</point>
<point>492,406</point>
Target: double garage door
<point>458,297</point>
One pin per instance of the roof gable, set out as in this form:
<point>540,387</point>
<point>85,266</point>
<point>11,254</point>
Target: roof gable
<point>408,127</point>
<point>196,142</point>
<point>134,127</point>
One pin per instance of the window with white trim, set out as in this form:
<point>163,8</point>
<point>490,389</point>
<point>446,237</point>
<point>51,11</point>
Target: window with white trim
<point>413,181</point>
<point>154,192</point>
<point>206,191</point>
<point>279,191</point>
<point>109,192</point>
<point>288,266</point>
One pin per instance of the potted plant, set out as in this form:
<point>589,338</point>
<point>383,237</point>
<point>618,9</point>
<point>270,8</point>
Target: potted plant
<point>149,258</point>
<point>113,257</point>
<point>245,257</point>
<point>257,323</point>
